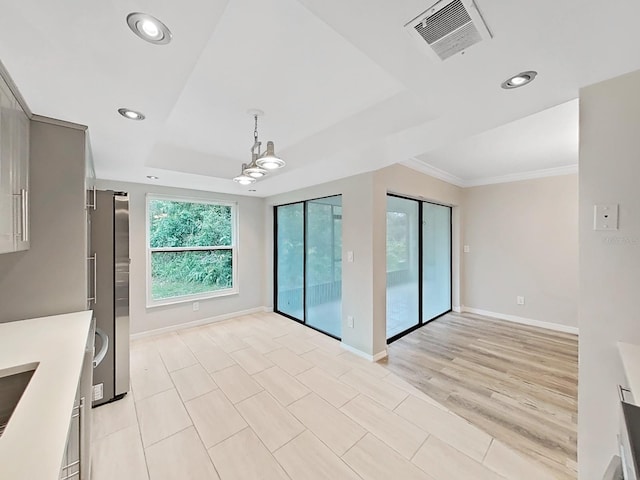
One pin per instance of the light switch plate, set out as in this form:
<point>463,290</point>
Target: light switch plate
<point>350,256</point>
<point>605,217</point>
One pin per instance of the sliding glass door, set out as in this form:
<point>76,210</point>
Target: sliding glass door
<point>309,263</point>
<point>290,260</point>
<point>436,260</point>
<point>418,264</point>
<point>403,288</point>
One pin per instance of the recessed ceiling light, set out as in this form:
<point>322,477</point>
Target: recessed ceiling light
<point>519,80</point>
<point>149,28</point>
<point>131,114</point>
<point>152,177</point>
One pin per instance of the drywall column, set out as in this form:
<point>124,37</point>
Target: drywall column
<point>378,229</point>
<point>50,277</point>
<point>609,261</point>
<point>358,278</point>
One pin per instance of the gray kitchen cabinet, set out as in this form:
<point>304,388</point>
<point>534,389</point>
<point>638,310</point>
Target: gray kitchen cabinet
<point>71,462</point>
<point>76,462</point>
<point>14,173</point>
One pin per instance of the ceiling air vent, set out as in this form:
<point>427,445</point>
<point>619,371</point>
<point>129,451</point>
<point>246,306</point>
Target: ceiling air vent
<point>449,27</point>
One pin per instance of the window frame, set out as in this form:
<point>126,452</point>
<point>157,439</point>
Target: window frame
<point>234,290</point>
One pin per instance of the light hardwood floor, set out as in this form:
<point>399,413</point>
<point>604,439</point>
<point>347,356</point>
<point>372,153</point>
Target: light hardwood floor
<point>517,383</point>
<point>262,397</point>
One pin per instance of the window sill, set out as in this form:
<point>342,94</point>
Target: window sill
<point>192,298</point>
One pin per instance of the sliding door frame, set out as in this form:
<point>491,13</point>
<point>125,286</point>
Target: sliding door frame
<point>421,321</point>
<point>304,263</point>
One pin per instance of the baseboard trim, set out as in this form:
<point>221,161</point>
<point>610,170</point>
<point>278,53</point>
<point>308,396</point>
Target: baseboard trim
<point>524,321</point>
<point>457,309</point>
<point>366,356</point>
<point>198,323</point>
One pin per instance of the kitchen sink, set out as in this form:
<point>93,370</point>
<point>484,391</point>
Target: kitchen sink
<point>13,383</point>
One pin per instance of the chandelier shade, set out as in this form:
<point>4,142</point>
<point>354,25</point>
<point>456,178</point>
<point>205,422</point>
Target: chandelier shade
<point>269,160</point>
<point>261,162</point>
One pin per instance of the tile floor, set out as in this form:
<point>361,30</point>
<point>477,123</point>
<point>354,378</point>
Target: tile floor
<point>262,397</point>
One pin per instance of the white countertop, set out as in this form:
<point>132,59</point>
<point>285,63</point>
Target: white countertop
<point>630,355</point>
<point>32,446</point>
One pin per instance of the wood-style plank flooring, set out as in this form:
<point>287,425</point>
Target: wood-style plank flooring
<point>263,397</point>
<point>518,383</point>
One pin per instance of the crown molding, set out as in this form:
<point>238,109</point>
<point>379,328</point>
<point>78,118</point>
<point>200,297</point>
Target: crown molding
<point>58,122</point>
<point>415,164</point>
<point>427,169</point>
<point>516,177</point>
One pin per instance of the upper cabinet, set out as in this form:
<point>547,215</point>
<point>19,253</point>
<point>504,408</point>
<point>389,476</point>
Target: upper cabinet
<point>14,173</point>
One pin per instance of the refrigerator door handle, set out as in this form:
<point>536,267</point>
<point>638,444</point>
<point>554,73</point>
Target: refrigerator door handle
<point>97,360</point>
<point>93,297</point>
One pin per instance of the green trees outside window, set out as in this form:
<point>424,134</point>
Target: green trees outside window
<point>191,248</point>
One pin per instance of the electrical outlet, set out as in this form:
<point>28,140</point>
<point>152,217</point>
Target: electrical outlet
<point>350,321</point>
<point>466,249</point>
<point>98,392</point>
<point>520,300</point>
<point>196,306</point>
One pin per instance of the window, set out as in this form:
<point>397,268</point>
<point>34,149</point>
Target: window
<point>191,249</point>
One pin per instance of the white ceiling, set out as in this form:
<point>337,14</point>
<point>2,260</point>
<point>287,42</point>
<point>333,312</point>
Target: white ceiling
<point>544,143</point>
<point>345,89</point>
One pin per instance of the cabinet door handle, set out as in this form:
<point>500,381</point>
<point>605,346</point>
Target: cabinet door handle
<point>71,475</point>
<point>621,393</point>
<point>92,195</point>
<point>24,205</point>
<point>81,438</point>
<point>24,214</point>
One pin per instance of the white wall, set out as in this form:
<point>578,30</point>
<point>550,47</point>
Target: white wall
<point>250,260</point>
<point>523,239</point>
<point>609,261</point>
<point>50,277</point>
<point>364,233</point>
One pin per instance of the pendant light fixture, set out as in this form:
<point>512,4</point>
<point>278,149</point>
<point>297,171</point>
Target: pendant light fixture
<point>243,179</point>
<point>261,162</point>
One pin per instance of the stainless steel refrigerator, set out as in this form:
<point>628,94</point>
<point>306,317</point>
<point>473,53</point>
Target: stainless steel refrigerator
<point>109,293</point>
